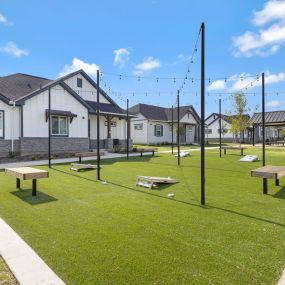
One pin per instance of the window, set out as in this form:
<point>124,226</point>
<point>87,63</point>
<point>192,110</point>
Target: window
<point>158,130</point>
<point>224,131</point>
<point>79,82</point>
<point>2,124</point>
<point>138,127</point>
<point>208,131</point>
<point>59,126</point>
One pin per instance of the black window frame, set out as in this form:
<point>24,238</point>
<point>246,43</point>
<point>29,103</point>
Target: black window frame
<point>79,82</point>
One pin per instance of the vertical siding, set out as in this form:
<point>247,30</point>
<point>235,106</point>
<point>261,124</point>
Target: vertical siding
<point>87,92</point>
<point>34,109</point>
<point>11,121</point>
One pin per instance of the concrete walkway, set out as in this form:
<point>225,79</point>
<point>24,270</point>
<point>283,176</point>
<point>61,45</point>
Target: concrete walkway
<point>27,267</point>
<point>75,159</point>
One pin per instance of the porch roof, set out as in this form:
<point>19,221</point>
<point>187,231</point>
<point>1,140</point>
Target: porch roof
<point>108,109</point>
<point>275,118</point>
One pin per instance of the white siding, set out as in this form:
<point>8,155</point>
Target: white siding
<point>11,121</point>
<point>166,133</point>
<point>87,92</point>
<point>34,122</point>
<point>139,136</point>
<point>118,132</point>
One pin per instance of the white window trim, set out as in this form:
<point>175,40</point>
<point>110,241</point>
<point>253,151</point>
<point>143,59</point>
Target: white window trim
<point>67,126</point>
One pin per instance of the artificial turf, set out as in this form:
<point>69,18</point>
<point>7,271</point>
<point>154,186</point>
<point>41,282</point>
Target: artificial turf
<point>6,277</point>
<point>117,233</point>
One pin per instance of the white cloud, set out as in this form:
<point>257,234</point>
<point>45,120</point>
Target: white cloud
<point>121,56</point>
<point>12,49</point>
<point>273,10</point>
<point>275,103</point>
<point>217,85</point>
<point>266,41</point>
<point>90,68</point>
<point>4,20</point>
<point>147,64</point>
<point>241,81</point>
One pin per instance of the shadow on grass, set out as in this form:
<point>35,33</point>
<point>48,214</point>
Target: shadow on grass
<point>26,196</point>
<point>280,194</point>
<point>151,193</point>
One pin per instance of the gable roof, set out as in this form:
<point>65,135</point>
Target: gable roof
<point>226,118</point>
<point>17,85</point>
<point>20,87</point>
<point>156,113</point>
<point>275,117</point>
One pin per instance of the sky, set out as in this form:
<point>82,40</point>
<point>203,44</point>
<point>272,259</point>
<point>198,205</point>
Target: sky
<point>145,49</point>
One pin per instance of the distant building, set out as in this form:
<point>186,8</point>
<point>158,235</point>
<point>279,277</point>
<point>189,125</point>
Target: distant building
<point>274,123</point>
<point>152,124</point>
<point>212,129</point>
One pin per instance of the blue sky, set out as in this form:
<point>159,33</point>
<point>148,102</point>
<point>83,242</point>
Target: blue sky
<point>150,38</point>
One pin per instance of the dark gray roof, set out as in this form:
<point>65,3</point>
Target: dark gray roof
<point>227,118</point>
<point>275,117</point>
<point>18,85</point>
<point>156,113</point>
<point>107,109</point>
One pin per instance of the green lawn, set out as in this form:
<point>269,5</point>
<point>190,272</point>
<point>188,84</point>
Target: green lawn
<point>6,277</point>
<point>91,233</point>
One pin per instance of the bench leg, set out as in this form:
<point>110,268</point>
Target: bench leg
<point>18,183</point>
<point>265,186</point>
<point>141,153</point>
<point>80,159</point>
<point>276,182</point>
<point>225,151</point>
<point>153,153</point>
<point>34,192</point>
<point>241,152</point>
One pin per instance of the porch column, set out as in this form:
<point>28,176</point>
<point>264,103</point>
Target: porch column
<point>108,118</point>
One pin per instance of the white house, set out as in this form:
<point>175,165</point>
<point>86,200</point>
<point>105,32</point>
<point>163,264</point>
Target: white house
<point>153,124</point>
<point>24,104</point>
<point>212,128</point>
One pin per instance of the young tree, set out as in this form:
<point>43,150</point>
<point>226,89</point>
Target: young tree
<point>239,121</point>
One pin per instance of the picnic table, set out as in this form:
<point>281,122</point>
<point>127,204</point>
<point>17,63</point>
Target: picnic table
<point>271,172</point>
<point>27,173</point>
<point>241,148</point>
<point>143,150</point>
<point>87,154</point>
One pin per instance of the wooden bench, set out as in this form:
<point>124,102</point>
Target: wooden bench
<point>152,181</point>
<point>81,166</point>
<point>143,150</point>
<point>241,148</point>
<point>87,154</point>
<point>27,173</point>
<point>269,171</point>
<point>280,142</point>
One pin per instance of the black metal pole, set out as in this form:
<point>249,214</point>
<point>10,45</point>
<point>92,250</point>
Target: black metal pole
<point>49,128</point>
<point>220,125</point>
<point>263,133</point>
<point>178,128</point>
<point>128,129</point>
<point>98,126</point>
<point>253,135</point>
<point>203,113</point>
<point>172,128</point>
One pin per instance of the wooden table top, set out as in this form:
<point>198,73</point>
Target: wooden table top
<point>26,173</point>
<point>234,147</point>
<point>269,171</point>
